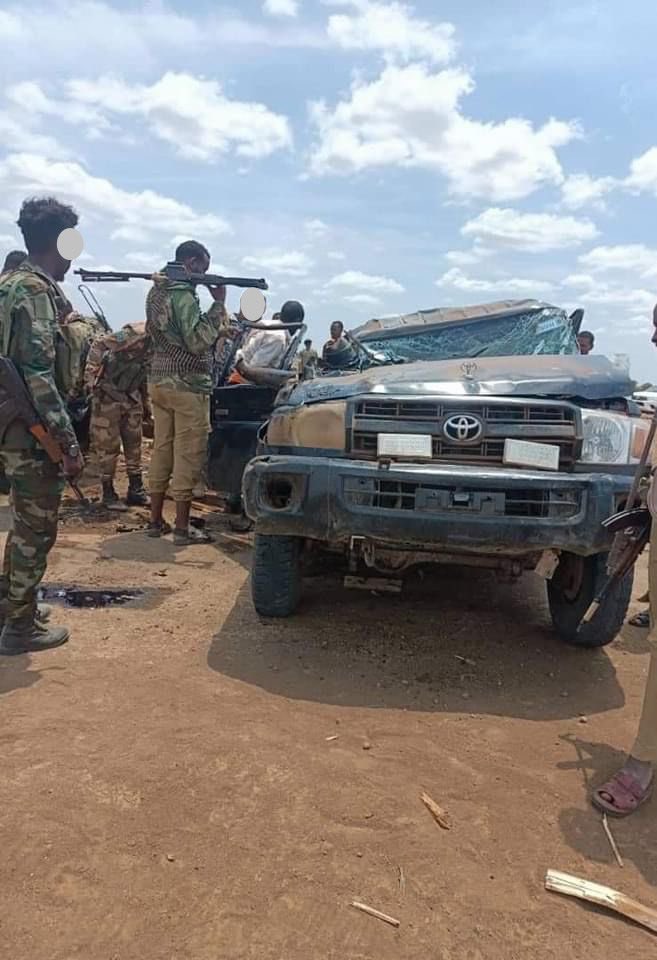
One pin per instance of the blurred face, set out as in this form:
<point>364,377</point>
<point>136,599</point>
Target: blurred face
<point>200,264</point>
<point>336,330</point>
<point>585,345</point>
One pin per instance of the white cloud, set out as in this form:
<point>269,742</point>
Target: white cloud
<point>580,190</point>
<point>139,39</point>
<point>281,8</point>
<point>367,299</point>
<point>336,255</point>
<point>643,172</point>
<point>144,213</point>
<point>410,117</point>
<point>316,228</point>
<point>293,263</point>
<point>530,232</point>
<point>466,258</point>
<point>392,29</point>
<point>508,285</point>
<point>365,282</point>
<point>632,257</point>
<point>597,291</point>
<point>191,114</point>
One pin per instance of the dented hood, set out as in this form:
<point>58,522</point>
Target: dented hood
<point>589,378</point>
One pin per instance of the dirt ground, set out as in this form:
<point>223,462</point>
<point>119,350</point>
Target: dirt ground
<point>183,781</point>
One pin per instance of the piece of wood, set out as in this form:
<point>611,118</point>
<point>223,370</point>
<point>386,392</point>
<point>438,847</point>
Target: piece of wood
<point>612,842</point>
<point>440,816</point>
<point>370,911</point>
<point>402,881</point>
<point>331,739</point>
<point>571,886</point>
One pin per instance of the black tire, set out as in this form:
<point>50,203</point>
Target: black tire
<point>276,575</point>
<point>571,591</point>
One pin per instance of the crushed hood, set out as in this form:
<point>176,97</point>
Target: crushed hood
<point>589,378</point>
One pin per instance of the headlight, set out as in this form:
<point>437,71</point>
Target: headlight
<point>319,425</point>
<point>611,438</point>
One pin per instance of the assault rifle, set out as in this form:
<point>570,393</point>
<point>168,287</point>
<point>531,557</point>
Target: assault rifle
<point>175,272</point>
<point>16,404</point>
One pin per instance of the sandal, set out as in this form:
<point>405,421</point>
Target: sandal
<point>158,529</point>
<point>622,795</point>
<point>183,538</point>
<point>641,620</point>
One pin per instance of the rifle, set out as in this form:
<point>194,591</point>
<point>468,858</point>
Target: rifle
<point>175,272</point>
<point>631,529</point>
<point>94,306</point>
<point>16,404</point>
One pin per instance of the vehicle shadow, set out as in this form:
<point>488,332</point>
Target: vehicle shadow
<point>454,642</point>
<point>581,827</point>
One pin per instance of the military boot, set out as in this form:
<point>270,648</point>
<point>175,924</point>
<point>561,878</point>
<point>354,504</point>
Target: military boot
<point>111,498</point>
<point>137,496</point>
<point>43,612</point>
<point>28,635</point>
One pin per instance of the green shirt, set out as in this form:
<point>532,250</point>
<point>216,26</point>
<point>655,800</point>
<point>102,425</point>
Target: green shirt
<point>176,322</point>
<point>29,334</point>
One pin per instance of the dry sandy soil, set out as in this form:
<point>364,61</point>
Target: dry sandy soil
<point>183,781</point>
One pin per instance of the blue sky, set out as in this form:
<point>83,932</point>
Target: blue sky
<point>366,157</point>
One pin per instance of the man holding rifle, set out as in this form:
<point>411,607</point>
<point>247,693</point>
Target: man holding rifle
<point>29,333</point>
<point>180,380</point>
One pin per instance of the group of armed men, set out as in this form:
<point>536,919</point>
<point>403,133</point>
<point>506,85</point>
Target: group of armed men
<point>158,373</point>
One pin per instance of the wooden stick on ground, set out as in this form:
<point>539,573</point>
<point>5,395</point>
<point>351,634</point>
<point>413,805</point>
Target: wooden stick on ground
<point>370,911</point>
<point>402,881</point>
<point>440,816</point>
<point>612,842</point>
<point>603,897</point>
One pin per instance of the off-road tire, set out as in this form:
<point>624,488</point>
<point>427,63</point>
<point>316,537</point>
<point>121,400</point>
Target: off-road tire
<point>568,605</point>
<point>276,575</point>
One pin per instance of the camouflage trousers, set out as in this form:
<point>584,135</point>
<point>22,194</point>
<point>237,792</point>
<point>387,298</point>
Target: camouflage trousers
<point>116,422</point>
<point>36,489</point>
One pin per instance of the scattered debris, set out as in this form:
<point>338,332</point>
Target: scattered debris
<point>402,881</point>
<point>367,745</point>
<point>80,597</point>
<point>470,663</point>
<point>171,858</point>
<point>370,911</point>
<point>612,842</point>
<point>440,816</point>
<point>583,719</point>
<point>571,886</point>
<point>161,573</point>
<point>378,584</point>
<point>330,739</point>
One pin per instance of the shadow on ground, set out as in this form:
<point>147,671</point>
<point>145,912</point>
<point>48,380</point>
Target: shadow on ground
<point>458,642</point>
<point>636,836</point>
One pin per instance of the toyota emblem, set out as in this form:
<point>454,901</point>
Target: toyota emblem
<point>463,428</point>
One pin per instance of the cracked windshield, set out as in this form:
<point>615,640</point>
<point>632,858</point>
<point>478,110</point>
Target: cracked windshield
<point>547,331</point>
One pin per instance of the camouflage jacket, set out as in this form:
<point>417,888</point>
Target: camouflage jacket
<point>30,335</point>
<point>117,364</point>
<point>183,336</point>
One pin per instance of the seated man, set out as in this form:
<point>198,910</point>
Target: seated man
<point>265,349</point>
<point>337,352</point>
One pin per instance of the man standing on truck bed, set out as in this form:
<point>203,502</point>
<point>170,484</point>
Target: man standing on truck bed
<point>29,337</point>
<point>115,378</point>
<point>180,386</point>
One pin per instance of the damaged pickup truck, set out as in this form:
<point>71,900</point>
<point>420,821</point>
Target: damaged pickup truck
<point>473,437</point>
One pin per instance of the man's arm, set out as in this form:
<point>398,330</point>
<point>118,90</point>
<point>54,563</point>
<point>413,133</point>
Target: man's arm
<point>94,364</point>
<point>198,330</point>
<point>34,322</point>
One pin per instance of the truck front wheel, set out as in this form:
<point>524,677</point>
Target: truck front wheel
<point>276,575</point>
<point>571,591</point>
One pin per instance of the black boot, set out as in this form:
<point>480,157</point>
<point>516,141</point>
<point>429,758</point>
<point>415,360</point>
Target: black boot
<point>111,498</point>
<point>137,496</point>
<point>29,636</point>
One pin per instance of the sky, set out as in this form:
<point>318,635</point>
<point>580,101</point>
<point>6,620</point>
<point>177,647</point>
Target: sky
<point>366,157</point>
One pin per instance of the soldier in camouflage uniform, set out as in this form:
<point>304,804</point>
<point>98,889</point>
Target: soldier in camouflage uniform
<point>13,259</point>
<point>180,382</point>
<point>29,334</point>
<point>115,377</point>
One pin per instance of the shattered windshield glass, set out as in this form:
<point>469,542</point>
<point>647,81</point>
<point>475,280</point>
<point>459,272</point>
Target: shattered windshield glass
<point>548,331</point>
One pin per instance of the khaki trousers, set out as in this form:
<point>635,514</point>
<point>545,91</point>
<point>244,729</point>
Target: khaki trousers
<point>181,421</point>
<point>645,747</point>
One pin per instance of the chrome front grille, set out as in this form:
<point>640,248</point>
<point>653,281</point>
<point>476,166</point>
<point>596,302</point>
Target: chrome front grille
<point>554,423</point>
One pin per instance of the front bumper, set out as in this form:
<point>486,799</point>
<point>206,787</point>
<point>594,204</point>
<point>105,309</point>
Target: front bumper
<point>500,511</point>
